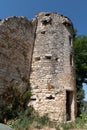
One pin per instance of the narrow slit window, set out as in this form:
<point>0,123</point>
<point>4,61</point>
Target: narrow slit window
<point>70,40</point>
<point>71,60</point>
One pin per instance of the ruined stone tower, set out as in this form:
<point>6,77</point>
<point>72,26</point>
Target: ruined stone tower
<point>42,51</point>
<point>52,76</point>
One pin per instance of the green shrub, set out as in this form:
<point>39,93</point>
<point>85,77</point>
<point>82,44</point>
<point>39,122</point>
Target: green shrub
<point>30,117</point>
<point>84,117</point>
<point>80,122</point>
<point>13,101</point>
<point>64,126</point>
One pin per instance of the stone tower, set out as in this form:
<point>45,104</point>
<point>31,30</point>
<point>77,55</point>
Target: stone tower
<point>40,50</point>
<point>52,73</point>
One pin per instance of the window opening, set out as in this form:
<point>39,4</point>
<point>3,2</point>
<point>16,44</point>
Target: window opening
<point>71,60</point>
<point>70,40</point>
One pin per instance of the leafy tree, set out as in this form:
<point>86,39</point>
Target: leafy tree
<point>80,45</point>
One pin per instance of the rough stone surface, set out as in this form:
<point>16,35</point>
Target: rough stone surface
<point>40,50</point>
<point>52,66</point>
<point>16,44</point>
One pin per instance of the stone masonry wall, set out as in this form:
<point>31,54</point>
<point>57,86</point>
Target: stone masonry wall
<point>16,44</point>
<point>41,51</point>
<point>52,66</point>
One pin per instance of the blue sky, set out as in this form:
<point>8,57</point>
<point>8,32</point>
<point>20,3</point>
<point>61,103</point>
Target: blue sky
<point>75,9</point>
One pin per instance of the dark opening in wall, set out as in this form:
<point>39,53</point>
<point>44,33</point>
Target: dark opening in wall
<point>48,57</point>
<point>48,14</point>
<point>71,60</point>
<point>66,23</point>
<point>33,99</point>
<point>43,32</point>
<point>69,99</point>
<point>37,58</point>
<point>56,58</point>
<point>70,40</point>
<point>50,97</point>
<point>46,20</point>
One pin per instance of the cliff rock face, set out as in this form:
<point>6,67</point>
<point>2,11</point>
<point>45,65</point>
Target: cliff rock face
<point>42,51</point>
